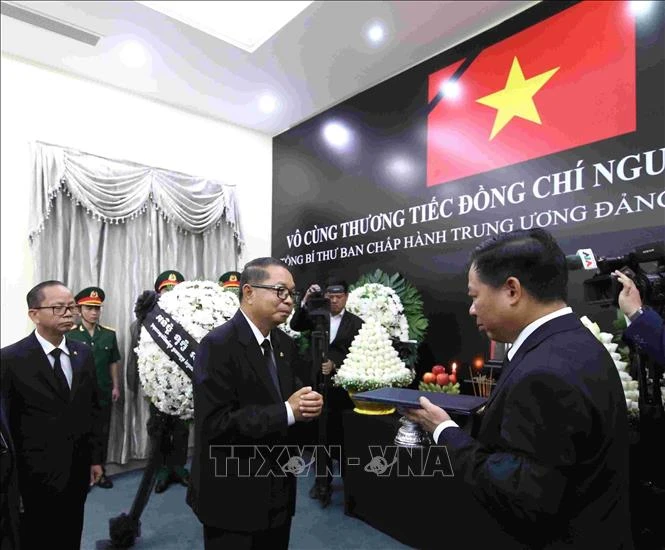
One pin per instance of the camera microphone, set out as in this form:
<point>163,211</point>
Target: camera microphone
<point>584,259</point>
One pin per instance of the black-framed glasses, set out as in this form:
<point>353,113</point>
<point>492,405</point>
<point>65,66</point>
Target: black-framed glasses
<point>282,291</point>
<point>60,310</point>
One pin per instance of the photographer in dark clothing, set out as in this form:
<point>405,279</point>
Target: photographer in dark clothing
<point>342,327</point>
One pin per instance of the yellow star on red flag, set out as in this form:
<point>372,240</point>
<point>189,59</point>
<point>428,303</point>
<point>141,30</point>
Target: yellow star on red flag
<point>516,99</point>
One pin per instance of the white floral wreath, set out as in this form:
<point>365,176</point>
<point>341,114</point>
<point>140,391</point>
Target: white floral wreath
<point>198,306</point>
<point>380,302</point>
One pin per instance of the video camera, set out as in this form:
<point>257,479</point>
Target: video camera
<point>318,306</point>
<point>645,265</point>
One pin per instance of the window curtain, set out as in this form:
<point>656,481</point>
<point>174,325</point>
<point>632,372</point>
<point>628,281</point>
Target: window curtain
<point>117,225</point>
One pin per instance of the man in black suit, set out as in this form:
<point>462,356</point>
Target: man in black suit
<point>9,497</point>
<point>50,392</point>
<point>550,461</point>
<point>342,327</point>
<point>245,399</point>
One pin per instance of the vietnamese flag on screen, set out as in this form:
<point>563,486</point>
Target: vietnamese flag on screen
<point>562,83</point>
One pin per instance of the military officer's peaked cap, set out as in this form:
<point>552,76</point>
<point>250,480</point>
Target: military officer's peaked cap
<point>168,278</point>
<point>91,296</point>
<point>230,279</point>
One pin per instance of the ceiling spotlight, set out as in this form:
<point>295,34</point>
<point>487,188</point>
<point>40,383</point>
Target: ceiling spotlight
<point>450,89</point>
<point>640,7</point>
<point>336,134</point>
<point>376,33</point>
<point>267,103</point>
<point>133,54</point>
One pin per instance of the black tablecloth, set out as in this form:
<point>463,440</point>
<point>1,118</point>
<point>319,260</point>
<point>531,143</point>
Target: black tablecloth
<point>423,512</point>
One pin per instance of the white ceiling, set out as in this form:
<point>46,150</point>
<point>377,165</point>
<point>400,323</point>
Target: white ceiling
<point>318,60</point>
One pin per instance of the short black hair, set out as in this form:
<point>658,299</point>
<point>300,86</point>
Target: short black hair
<point>533,256</point>
<point>35,296</point>
<point>337,281</point>
<point>256,271</point>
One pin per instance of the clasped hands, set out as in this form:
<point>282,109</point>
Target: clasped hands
<point>306,404</point>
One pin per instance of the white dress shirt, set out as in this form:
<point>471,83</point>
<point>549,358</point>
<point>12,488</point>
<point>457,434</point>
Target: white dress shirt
<point>521,337</point>
<point>291,419</point>
<point>65,362</point>
<point>335,321</point>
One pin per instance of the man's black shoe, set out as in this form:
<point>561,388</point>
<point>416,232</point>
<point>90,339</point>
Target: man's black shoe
<point>104,482</point>
<point>161,485</point>
<point>314,491</point>
<point>324,496</point>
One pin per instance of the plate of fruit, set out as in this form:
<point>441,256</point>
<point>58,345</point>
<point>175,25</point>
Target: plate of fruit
<point>438,380</point>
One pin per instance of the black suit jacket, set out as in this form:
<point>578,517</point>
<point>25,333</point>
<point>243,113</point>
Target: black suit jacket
<point>9,495</point>
<point>238,413</point>
<point>56,440</point>
<point>550,462</point>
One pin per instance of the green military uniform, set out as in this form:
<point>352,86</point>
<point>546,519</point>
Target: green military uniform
<point>104,346</point>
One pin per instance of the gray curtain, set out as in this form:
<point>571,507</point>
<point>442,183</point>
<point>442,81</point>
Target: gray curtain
<point>118,225</point>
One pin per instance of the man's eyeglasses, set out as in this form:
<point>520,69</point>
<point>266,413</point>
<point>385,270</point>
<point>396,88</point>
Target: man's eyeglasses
<point>282,291</point>
<point>60,310</point>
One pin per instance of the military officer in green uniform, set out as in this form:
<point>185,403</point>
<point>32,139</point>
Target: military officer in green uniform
<point>104,346</point>
<point>230,281</point>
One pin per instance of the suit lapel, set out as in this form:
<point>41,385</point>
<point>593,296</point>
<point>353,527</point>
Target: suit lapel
<point>76,361</point>
<point>344,326</point>
<point>283,367</point>
<point>42,365</point>
<point>254,353</point>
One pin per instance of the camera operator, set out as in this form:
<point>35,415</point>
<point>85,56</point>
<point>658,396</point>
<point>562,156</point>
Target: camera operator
<point>646,328</point>
<point>342,328</point>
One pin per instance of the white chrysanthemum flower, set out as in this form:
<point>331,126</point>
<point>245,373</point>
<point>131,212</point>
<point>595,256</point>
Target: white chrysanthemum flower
<point>198,306</point>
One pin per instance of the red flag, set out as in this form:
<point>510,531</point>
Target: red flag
<point>562,83</point>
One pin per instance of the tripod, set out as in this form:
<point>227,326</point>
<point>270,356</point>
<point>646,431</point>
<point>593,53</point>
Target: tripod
<point>321,489</point>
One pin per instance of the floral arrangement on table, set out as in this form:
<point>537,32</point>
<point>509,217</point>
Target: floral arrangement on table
<point>198,306</point>
<point>630,386</point>
<point>372,361</point>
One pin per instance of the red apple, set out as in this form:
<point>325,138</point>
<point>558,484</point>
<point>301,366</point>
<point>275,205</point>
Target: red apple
<point>438,369</point>
<point>442,379</point>
<point>429,378</point>
<point>453,378</point>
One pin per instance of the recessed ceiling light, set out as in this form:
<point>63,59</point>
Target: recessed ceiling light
<point>132,54</point>
<point>400,167</point>
<point>246,25</point>
<point>451,89</point>
<point>640,7</point>
<point>376,33</point>
<point>267,103</point>
<point>336,134</point>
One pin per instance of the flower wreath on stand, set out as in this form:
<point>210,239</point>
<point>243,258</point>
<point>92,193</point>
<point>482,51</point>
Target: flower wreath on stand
<point>621,361</point>
<point>198,307</point>
<point>178,320</point>
<point>384,350</point>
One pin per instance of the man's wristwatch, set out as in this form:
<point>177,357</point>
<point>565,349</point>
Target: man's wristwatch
<point>636,314</point>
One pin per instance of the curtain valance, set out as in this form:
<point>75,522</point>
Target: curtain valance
<point>115,191</point>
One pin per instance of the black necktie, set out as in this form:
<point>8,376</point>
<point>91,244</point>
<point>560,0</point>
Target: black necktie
<point>60,377</point>
<point>270,364</point>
